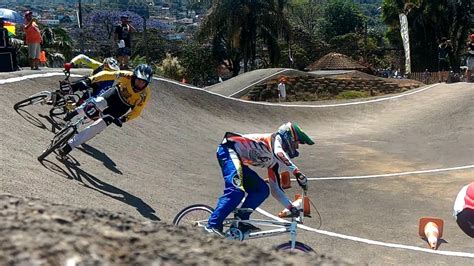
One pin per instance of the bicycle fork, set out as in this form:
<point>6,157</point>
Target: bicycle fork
<point>293,234</point>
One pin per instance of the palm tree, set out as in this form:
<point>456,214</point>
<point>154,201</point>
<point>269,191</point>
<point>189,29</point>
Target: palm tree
<point>237,26</point>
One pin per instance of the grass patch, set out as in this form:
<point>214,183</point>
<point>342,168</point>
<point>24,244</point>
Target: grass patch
<point>352,95</point>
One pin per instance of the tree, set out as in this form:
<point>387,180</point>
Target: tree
<point>56,40</point>
<point>236,28</point>
<point>198,63</point>
<point>341,17</point>
<point>171,68</point>
<point>428,22</point>
<point>306,16</point>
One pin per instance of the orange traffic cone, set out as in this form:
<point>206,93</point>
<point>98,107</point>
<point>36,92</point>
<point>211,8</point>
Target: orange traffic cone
<point>306,207</point>
<point>42,57</point>
<point>297,203</point>
<point>285,180</point>
<point>431,229</point>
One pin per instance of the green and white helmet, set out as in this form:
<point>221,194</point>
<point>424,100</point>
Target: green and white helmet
<point>291,135</point>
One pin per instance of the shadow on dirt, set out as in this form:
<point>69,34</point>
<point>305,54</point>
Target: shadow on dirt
<point>54,125</point>
<point>31,118</point>
<point>100,156</point>
<point>73,172</point>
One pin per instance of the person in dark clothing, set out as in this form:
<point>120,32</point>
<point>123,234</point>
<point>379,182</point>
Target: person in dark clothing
<point>444,49</point>
<point>123,41</point>
<point>5,47</point>
<point>470,58</point>
<point>4,38</point>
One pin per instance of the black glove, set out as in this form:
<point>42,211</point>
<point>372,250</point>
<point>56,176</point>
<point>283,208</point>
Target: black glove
<point>302,180</point>
<point>123,119</point>
<point>294,211</point>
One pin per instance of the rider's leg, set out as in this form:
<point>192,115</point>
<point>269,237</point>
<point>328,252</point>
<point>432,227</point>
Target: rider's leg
<point>233,192</point>
<point>257,191</point>
<point>83,136</point>
<point>99,102</point>
<point>90,131</point>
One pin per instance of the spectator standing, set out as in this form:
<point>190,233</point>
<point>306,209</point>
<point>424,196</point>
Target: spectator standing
<point>6,46</point>
<point>33,40</point>
<point>464,209</point>
<point>426,76</point>
<point>282,90</point>
<point>443,57</point>
<point>123,41</point>
<point>470,59</point>
<point>4,38</point>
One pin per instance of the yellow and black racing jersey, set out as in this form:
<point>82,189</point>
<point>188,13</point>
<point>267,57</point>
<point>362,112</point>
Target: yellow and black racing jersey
<point>123,81</point>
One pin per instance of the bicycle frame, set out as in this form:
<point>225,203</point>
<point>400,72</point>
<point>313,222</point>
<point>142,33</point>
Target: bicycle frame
<point>281,227</point>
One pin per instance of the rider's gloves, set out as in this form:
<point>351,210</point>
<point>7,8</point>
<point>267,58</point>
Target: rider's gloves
<point>302,180</point>
<point>294,211</point>
<point>123,119</point>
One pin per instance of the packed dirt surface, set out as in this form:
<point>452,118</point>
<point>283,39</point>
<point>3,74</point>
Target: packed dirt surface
<point>35,232</point>
<point>388,163</point>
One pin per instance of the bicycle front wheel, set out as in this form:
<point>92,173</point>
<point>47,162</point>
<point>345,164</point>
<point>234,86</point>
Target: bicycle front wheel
<point>35,99</point>
<point>299,247</point>
<point>194,215</point>
<point>58,140</point>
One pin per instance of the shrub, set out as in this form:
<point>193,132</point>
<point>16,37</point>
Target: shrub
<point>352,94</point>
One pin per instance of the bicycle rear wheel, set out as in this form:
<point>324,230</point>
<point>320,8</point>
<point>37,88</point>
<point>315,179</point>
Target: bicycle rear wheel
<point>299,247</point>
<point>58,140</point>
<point>193,215</point>
<point>35,99</point>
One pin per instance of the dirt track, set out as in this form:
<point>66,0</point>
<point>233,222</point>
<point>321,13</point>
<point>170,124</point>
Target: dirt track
<point>164,161</point>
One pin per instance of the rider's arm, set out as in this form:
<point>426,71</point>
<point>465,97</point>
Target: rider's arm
<point>275,187</point>
<point>138,107</point>
<point>93,81</point>
<point>103,76</point>
<point>282,158</point>
<point>86,61</point>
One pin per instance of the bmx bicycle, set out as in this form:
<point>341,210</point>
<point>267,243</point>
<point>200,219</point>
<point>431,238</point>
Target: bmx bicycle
<point>91,113</point>
<point>197,215</point>
<point>62,100</point>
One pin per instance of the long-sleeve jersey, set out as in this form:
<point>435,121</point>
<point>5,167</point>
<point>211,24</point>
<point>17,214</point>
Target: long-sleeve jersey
<point>88,62</point>
<point>123,81</point>
<point>264,151</point>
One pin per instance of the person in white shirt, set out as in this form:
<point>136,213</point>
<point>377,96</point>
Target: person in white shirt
<point>464,209</point>
<point>282,90</point>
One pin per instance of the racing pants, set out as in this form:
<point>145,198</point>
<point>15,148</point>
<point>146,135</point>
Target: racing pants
<point>109,103</point>
<point>465,220</point>
<point>238,179</point>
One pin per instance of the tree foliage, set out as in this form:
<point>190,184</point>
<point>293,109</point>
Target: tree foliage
<point>429,21</point>
<point>237,28</point>
<point>198,63</point>
<point>341,17</point>
<point>171,68</point>
<point>56,40</point>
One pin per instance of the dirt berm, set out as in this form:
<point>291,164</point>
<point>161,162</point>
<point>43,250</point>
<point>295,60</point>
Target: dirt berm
<point>36,232</point>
